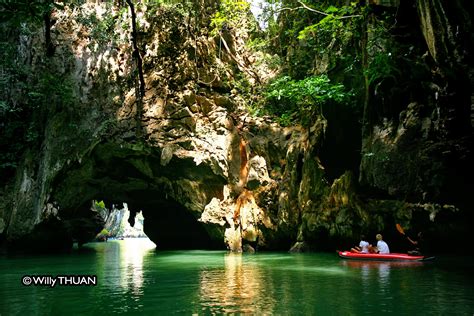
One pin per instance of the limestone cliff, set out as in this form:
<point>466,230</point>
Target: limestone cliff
<point>173,137</point>
<point>171,154</point>
<point>117,224</point>
<point>419,138</point>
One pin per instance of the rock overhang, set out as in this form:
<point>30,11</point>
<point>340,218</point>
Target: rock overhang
<point>172,196</point>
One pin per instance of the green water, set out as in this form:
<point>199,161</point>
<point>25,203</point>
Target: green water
<point>132,278</point>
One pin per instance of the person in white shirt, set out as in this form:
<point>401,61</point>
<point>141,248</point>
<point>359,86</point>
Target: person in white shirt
<point>382,246</point>
<point>363,246</point>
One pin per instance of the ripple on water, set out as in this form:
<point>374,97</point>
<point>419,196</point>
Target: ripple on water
<point>138,280</point>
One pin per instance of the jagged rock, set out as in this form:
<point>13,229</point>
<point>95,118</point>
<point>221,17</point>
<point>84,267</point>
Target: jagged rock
<point>177,156</point>
<point>437,30</point>
<point>205,104</point>
<point>224,102</point>
<point>248,249</point>
<point>214,213</point>
<point>233,239</point>
<point>299,246</point>
<point>117,224</point>
<point>406,159</point>
<point>258,173</point>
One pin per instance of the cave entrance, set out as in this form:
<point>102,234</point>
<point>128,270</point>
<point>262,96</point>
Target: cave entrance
<point>120,222</point>
<point>169,225</point>
<point>165,222</point>
<point>171,196</point>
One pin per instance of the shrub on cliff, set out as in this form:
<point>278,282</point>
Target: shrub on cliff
<point>300,100</point>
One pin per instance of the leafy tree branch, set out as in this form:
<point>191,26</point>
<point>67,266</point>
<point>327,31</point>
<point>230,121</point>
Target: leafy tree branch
<point>304,6</point>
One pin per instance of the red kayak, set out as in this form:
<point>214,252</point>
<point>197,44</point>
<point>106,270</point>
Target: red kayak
<point>382,257</point>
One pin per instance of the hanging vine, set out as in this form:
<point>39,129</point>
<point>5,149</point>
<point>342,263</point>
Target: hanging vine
<point>140,92</point>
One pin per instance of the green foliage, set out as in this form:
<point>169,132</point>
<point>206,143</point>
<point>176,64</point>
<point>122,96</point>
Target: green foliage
<point>104,232</point>
<point>390,59</point>
<point>332,37</point>
<point>17,12</point>
<point>268,28</point>
<point>299,100</point>
<point>50,89</point>
<point>101,28</point>
<point>26,97</point>
<point>99,205</point>
<point>21,115</point>
<point>339,23</point>
<point>229,15</point>
<point>303,37</point>
<point>183,8</point>
<point>264,55</point>
<point>103,235</point>
<point>383,51</point>
<point>382,66</point>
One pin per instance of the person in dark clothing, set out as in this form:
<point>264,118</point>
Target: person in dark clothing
<point>416,244</point>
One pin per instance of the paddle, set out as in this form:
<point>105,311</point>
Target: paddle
<point>400,229</point>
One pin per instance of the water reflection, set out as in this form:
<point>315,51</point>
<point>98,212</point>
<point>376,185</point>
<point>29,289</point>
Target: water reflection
<point>377,264</point>
<point>239,287</point>
<point>382,268</point>
<point>132,254</point>
<point>123,264</point>
<point>135,280</point>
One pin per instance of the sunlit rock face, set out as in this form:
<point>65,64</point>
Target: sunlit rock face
<point>117,224</point>
<point>203,171</point>
<point>170,154</point>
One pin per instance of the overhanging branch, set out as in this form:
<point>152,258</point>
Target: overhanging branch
<point>304,6</point>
